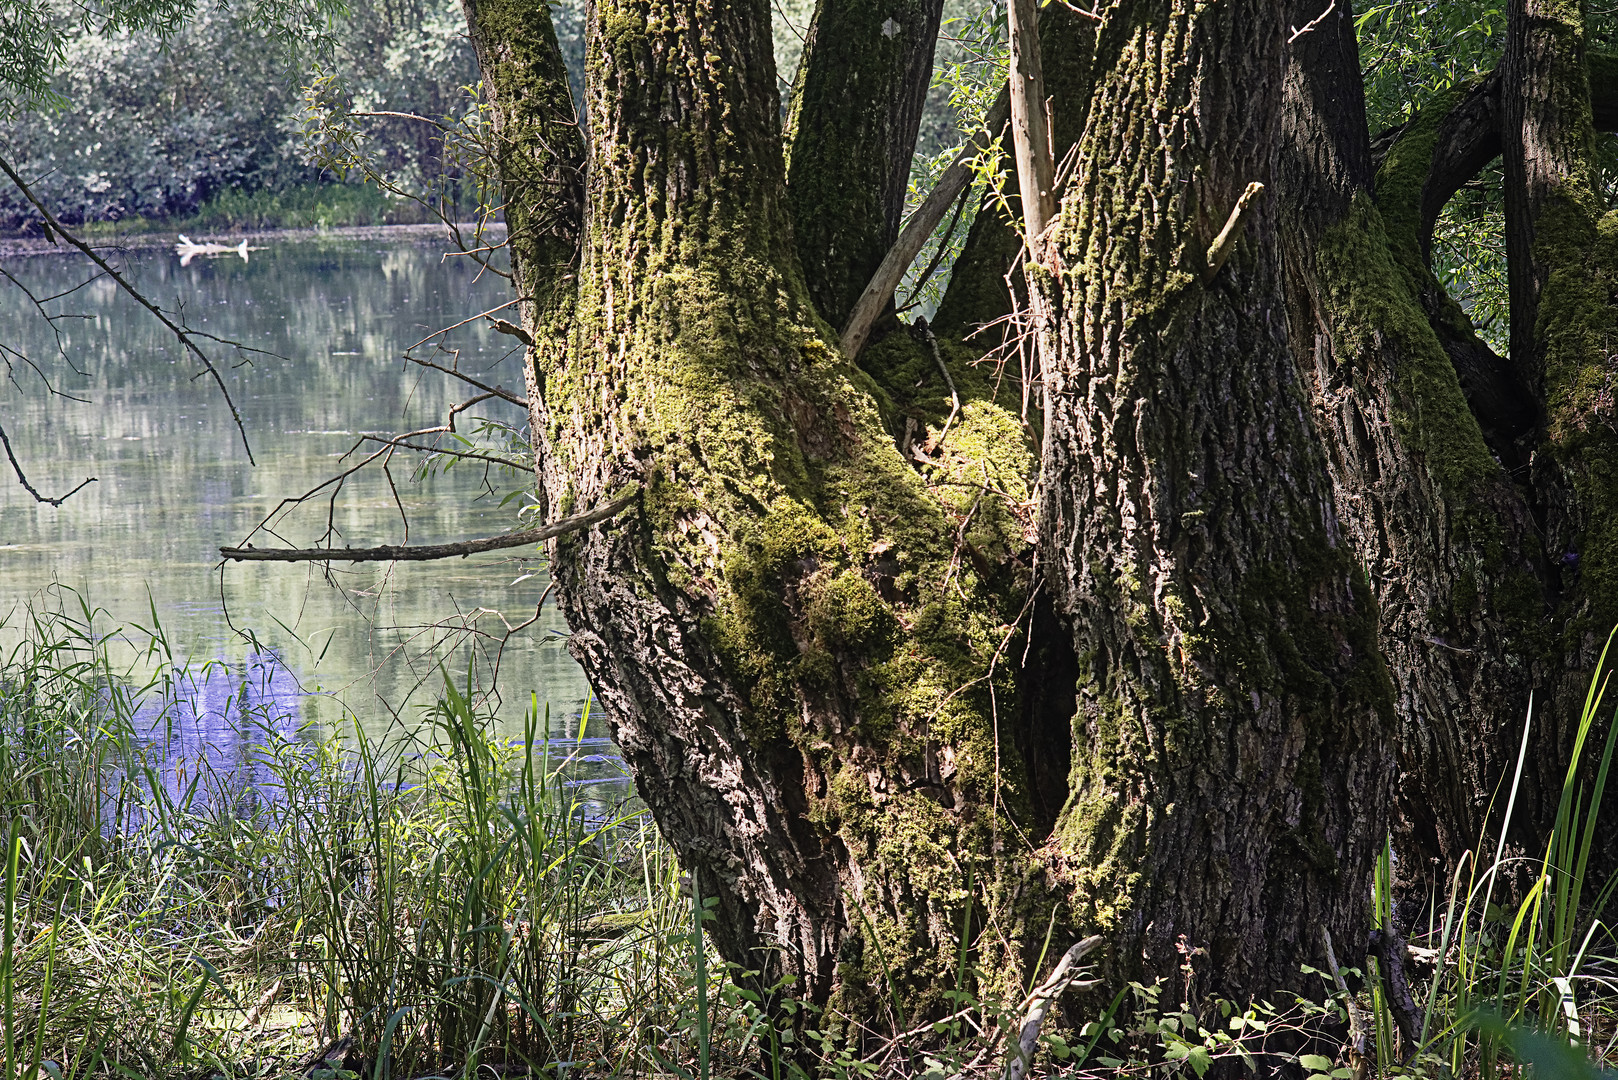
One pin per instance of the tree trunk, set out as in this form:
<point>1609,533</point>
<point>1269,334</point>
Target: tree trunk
<point>802,667</point>
<point>1158,644</point>
<point>1234,713</point>
<point>856,109</point>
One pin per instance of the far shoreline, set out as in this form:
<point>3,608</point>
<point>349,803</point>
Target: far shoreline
<point>13,247</point>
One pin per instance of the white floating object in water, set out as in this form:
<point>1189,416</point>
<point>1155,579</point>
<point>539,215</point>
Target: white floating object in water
<point>188,249</point>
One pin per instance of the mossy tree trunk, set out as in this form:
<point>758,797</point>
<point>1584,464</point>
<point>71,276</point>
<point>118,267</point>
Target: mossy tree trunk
<point>888,652</point>
<point>1234,711</point>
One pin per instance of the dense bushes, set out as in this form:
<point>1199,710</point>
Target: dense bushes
<point>155,128</point>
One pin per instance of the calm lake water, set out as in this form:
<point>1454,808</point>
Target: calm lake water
<point>334,315</point>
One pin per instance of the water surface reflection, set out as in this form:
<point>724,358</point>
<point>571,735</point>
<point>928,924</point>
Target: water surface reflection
<point>292,645</point>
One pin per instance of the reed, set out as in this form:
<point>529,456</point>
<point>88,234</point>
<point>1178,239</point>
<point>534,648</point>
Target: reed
<point>1542,971</point>
<point>420,904</point>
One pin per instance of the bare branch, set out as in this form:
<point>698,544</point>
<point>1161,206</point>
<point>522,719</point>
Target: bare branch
<point>472,455</point>
<point>916,231</point>
<point>463,322</point>
<point>185,336</point>
<point>499,392</point>
<point>425,552</point>
<point>23,480</point>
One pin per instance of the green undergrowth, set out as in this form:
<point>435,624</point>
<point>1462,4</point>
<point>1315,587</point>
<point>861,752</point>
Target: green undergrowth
<point>341,907</point>
<point>419,905</point>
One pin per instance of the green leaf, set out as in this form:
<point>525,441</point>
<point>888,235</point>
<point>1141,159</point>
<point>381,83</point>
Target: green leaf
<point>1315,1063</point>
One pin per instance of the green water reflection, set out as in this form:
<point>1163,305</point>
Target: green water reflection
<point>175,483</point>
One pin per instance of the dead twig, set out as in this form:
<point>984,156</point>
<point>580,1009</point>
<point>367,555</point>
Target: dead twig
<point>23,480</point>
<point>1220,249</point>
<point>1312,23</point>
<point>1038,1004</point>
<point>426,552</point>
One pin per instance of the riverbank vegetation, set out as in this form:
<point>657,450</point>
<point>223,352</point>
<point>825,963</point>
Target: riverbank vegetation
<point>337,904</point>
<point>144,128</point>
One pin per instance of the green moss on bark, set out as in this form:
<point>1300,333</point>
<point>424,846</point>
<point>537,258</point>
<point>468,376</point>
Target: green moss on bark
<point>1578,327</point>
<point>1375,309</point>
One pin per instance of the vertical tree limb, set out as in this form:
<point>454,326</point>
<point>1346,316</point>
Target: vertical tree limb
<point>539,157</point>
<point>856,111</point>
<point>1030,125</point>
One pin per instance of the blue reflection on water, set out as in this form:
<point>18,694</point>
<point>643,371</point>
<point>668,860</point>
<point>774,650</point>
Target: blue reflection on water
<point>205,735</point>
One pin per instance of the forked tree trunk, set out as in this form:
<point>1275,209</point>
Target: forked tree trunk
<point>890,656</point>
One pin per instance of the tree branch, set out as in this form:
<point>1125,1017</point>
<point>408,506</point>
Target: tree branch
<point>1038,1004</point>
<point>23,480</point>
<point>916,231</point>
<point>1030,126</point>
<point>428,552</point>
<point>178,331</point>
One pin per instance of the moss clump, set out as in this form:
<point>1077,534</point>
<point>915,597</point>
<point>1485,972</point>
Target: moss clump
<point>1376,309</point>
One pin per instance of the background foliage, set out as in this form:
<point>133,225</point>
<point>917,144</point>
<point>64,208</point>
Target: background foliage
<point>154,122</point>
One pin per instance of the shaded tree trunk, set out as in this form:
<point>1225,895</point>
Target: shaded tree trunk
<point>856,109</point>
<point>1234,712</point>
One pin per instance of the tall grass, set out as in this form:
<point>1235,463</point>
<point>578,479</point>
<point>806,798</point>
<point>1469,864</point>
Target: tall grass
<point>1527,977</point>
<point>421,904</point>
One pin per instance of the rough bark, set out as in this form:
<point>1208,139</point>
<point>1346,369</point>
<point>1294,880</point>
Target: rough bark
<point>1465,526</point>
<point>1546,136</point>
<point>1564,320</point>
<point>803,664</point>
<point>856,109</point>
<point>1234,713</point>
<point>1432,515</point>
